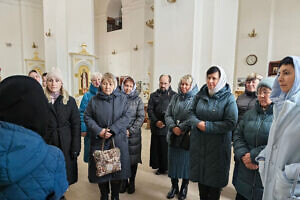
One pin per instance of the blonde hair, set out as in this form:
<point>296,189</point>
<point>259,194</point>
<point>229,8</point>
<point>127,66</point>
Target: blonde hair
<point>188,78</point>
<point>110,78</point>
<point>96,75</point>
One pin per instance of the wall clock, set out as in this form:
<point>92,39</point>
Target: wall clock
<point>251,59</point>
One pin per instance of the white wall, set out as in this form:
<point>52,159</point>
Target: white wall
<point>173,40</point>
<point>285,29</point>
<point>22,24</point>
<point>191,36</point>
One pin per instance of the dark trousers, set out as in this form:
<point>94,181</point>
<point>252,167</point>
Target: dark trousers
<point>133,172</point>
<point>240,197</point>
<point>159,152</point>
<point>104,189</point>
<point>209,193</point>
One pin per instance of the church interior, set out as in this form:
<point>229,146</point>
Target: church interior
<point>144,39</point>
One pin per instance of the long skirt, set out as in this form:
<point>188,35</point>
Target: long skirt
<point>179,163</point>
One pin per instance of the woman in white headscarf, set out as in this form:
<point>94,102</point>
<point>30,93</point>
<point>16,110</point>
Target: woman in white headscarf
<point>212,118</point>
<point>279,162</point>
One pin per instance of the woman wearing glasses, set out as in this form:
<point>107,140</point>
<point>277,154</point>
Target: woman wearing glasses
<point>250,137</point>
<point>279,162</point>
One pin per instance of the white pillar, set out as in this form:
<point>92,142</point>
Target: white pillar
<point>193,35</point>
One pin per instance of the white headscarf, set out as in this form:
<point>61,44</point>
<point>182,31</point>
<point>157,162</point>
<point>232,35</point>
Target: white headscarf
<point>220,84</point>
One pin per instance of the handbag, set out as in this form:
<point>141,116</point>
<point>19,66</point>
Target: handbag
<point>107,161</point>
<point>180,141</point>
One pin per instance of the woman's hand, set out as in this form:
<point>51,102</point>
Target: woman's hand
<point>247,161</point>
<point>105,132</point>
<point>201,126</point>
<point>246,158</point>
<point>176,130</point>
<point>251,166</point>
<point>160,124</point>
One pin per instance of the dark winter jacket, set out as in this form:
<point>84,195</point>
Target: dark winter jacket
<point>245,102</point>
<point>136,120</point>
<point>178,111</point>
<point>210,151</point>
<point>65,132</point>
<point>108,111</point>
<point>84,102</point>
<point>29,168</point>
<point>157,107</point>
<point>251,136</point>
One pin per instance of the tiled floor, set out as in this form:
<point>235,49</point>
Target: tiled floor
<point>148,185</point>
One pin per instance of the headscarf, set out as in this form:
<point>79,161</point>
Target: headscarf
<point>22,102</point>
<point>220,84</point>
<point>134,85</point>
<point>277,95</point>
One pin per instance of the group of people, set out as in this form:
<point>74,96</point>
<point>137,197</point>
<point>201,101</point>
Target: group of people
<point>192,132</point>
<point>200,127</point>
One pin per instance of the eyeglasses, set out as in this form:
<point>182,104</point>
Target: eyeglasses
<point>263,93</point>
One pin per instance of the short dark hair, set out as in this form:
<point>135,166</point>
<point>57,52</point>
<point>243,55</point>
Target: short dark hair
<point>287,61</point>
<point>170,79</point>
<point>212,70</point>
<point>44,74</point>
<point>33,70</point>
<point>129,79</point>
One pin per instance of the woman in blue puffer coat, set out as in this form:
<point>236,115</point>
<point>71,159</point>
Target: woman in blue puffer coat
<point>94,87</point>
<point>29,168</point>
<point>250,137</point>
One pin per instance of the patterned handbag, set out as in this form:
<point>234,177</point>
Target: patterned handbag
<point>107,161</point>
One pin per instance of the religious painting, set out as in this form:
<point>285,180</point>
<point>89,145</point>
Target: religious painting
<point>273,68</point>
<point>84,79</point>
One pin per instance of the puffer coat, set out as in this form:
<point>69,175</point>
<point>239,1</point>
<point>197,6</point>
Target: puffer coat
<point>108,111</point>
<point>136,120</point>
<point>84,102</point>
<point>210,151</point>
<point>251,136</point>
<point>29,168</point>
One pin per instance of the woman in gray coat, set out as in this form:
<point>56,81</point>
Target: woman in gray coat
<point>213,117</point>
<point>178,130</point>
<point>106,116</point>
<point>136,120</point>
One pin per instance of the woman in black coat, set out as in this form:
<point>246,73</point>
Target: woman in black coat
<point>136,120</point>
<point>106,116</point>
<point>64,123</point>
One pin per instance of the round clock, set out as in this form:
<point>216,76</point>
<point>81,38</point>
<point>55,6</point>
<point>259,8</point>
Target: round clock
<point>251,59</point>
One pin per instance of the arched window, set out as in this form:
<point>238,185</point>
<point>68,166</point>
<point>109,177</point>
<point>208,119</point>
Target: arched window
<point>114,15</point>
